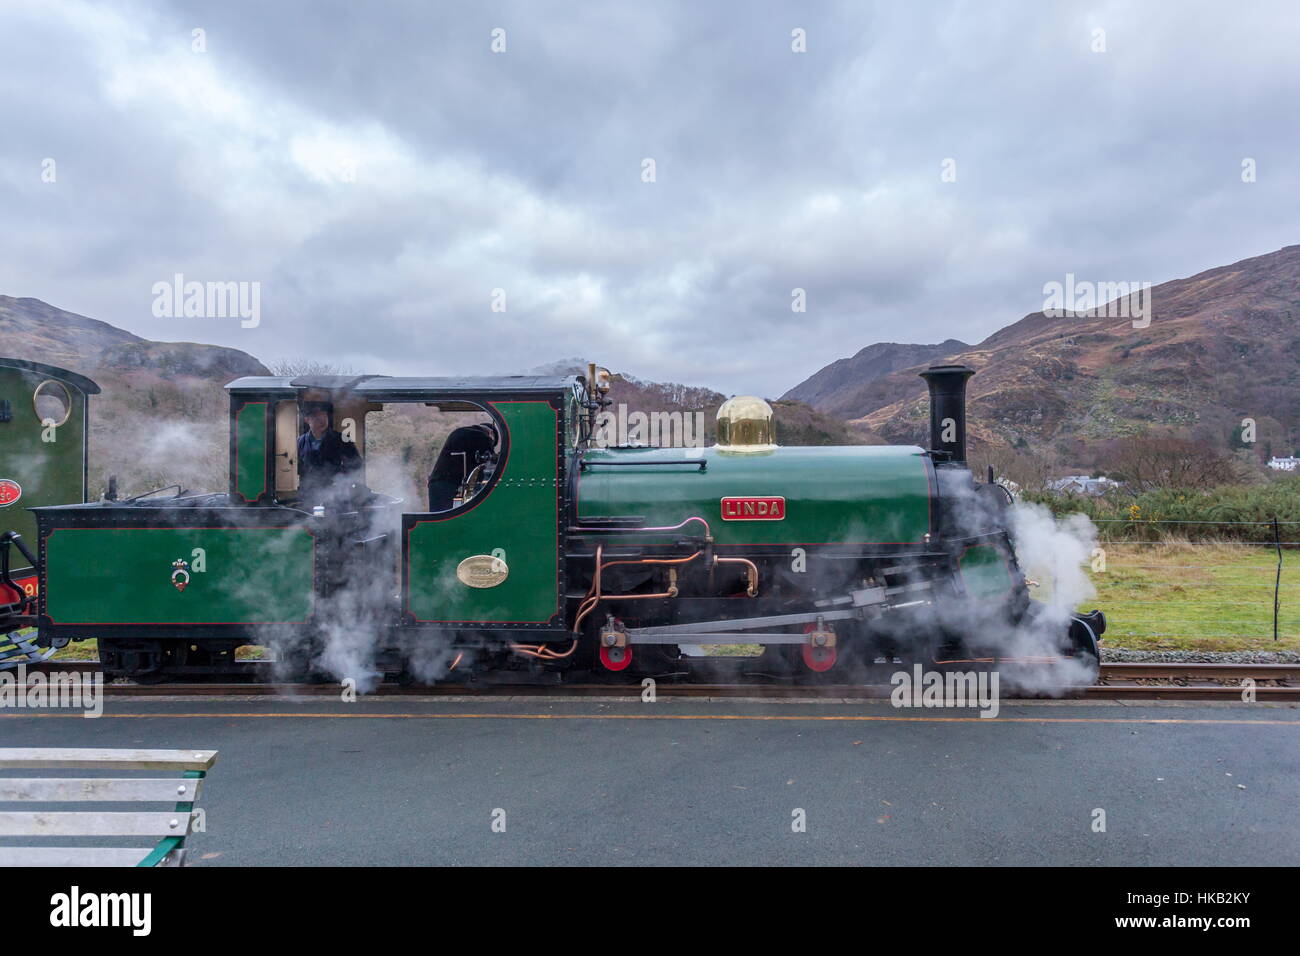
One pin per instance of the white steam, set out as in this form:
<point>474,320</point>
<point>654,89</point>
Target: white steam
<point>1055,552</point>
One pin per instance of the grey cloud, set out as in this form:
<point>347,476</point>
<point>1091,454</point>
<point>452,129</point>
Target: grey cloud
<point>521,171</point>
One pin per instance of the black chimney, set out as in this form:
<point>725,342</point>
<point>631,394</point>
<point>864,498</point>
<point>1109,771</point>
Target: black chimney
<point>948,409</point>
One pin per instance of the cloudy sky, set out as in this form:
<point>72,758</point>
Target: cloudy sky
<point>380,170</point>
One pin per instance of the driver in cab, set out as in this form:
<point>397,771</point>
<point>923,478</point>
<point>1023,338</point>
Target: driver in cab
<point>325,460</point>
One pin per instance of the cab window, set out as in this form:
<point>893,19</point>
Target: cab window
<point>436,456</point>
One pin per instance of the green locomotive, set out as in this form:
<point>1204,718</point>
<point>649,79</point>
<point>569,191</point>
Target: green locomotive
<point>44,422</point>
<point>547,554</point>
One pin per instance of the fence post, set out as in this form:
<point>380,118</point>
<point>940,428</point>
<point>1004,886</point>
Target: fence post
<point>1277,581</point>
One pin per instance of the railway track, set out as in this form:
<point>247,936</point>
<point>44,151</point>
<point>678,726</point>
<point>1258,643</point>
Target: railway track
<point>1122,681</point>
<point>1196,681</point>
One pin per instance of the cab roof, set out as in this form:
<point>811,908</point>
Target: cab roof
<point>83,384</point>
<point>397,388</point>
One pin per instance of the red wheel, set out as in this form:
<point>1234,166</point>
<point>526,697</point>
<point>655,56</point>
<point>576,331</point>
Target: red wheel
<point>818,658</point>
<point>616,658</point>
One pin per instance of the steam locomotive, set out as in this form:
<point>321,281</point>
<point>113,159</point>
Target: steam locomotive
<point>560,556</point>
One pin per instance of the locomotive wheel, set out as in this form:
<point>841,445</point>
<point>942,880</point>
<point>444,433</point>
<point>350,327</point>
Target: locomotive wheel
<point>818,659</point>
<point>616,658</point>
<point>296,663</point>
<point>141,661</point>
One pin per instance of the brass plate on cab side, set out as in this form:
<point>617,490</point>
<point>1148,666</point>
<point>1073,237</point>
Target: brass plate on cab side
<point>482,571</point>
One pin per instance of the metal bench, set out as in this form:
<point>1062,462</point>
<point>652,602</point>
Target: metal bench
<point>18,648</point>
<point>168,827</point>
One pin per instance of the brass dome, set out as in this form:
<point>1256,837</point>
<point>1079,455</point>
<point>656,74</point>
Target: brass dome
<point>746,424</point>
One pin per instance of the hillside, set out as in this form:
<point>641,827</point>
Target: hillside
<point>38,331</point>
<point>797,423</point>
<point>841,388</point>
<point>161,417</point>
<point>1221,345</point>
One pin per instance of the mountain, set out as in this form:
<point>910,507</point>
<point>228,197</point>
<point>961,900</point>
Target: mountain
<point>1220,346</point>
<point>839,389</point>
<point>797,422</point>
<point>161,416</point>
<point>38,331</point>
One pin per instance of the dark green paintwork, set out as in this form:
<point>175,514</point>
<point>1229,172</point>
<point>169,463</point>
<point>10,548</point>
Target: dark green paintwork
<point>518,515</point>
<point>123,575</point>
<point>50,473</point>
<point>833,495</point>
<point>250,450</point>
<point>984,571</point>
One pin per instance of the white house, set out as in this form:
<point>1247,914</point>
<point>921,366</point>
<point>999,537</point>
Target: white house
<point>1082,485</point>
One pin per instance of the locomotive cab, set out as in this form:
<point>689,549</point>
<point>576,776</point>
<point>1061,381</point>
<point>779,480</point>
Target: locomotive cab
<point>174,584</point>
<point>351,413</point>
<point>44,431</point>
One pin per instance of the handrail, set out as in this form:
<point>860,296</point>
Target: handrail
<point>17,540</point>
<point>701,462</point>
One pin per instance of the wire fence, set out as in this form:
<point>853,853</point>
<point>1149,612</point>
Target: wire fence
<point>1198,582</point>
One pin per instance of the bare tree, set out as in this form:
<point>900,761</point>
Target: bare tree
<point>295,367</point>
<point>1030,468</point>
<point>1145,463</point>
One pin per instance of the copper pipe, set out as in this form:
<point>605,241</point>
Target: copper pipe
<point>610,564</point>
<point>593,592</point>
<point>1003,660</point>
<point>594,596</point>
<point>751,573</point>
<point>556,655</point>
<point>585,609</point>
<point>455,662</point>
<point>543,652</point>
<point>672,527</point>
<point>670,593</point>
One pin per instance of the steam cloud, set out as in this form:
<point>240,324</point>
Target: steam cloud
<point>1054,552</point>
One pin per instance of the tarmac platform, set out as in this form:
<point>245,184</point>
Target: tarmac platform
<point>520,781</point>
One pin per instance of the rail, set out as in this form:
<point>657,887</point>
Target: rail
<point>1140,681</point>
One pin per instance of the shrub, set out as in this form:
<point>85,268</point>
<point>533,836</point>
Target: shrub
<point>1233,512</point>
